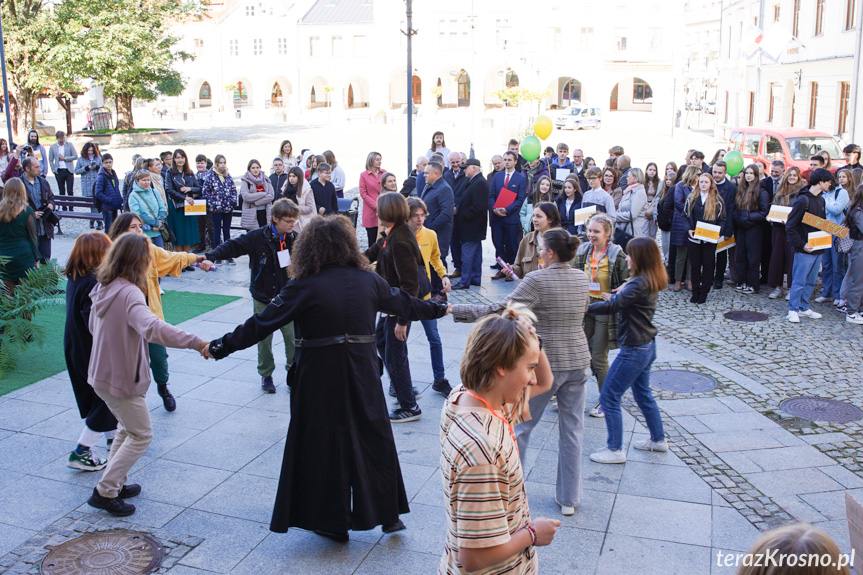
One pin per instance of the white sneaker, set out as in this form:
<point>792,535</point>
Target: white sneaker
<point>161,291</point>
<point>838,302</point>
<point>740,287</point>
<point>810,314</point>
<point>606,455</point>
<point>597,411</point>
<point>854,318</point>
<point>567,510</point>
<point>822,299</point>
<point>650,445</point>
<point>776,293</point>
<point>793,317</point>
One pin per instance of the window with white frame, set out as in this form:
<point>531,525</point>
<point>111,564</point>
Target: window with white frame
<point>250,10</point>
<point>234,47</point>
<point>283,46</point>
<point>314,46</point>
<point>337,46</point>
<point>257,47</point>
<point>199,47</point>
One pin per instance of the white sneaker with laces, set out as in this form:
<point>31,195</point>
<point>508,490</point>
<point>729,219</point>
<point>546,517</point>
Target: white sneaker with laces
<point>597,412</point>
<point>822,299</point>
<point>567,510</point>
<point>838,302</point>
<point>776,293</point>
<point>793,317</point>
<point>650,445</point>
<point>811,314</point>
<point>854,318</point>
<point>606,455</point>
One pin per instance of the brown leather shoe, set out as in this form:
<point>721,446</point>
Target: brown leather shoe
<point>455,274</point>
<point>498,276</point>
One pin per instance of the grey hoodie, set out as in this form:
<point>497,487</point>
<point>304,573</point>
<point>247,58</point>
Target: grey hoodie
<point>122,324</point>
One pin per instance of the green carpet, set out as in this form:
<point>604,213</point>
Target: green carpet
<point>36,363</point>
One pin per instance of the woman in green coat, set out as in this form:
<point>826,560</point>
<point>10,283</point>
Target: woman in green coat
<point>17,235</point>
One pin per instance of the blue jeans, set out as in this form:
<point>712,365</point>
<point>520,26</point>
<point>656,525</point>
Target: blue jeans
<point>471,262</point>
<point>221,227</point>
<point>158,241</point>
<point>430,326</point>
<point>631,368</point>
<point>833,272</point>
<point>805,272</point>
<point>394,354</point>
<point>108,216</point>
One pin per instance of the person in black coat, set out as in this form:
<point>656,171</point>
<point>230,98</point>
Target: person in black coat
<point>769,184</point>
<point>278,178</point>
<point>751,205</point>
<point>87,253</point>
<point>269,250</point>
<point>455,177</point>
<point>728,192</point>
<point>326,199</point>
<point>340,470</point>
<point>702,254</point>
<point>472,219</point>
<point>572,196</point>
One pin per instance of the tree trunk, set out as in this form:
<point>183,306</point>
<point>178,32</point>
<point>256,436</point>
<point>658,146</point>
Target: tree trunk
<point>125,121</point>
<point>66,104</point>
<point>13,109</point>
<point>26,102</point>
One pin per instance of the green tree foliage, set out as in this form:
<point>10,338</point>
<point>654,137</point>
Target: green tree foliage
<point>127,48</point>
<point>37,290</point>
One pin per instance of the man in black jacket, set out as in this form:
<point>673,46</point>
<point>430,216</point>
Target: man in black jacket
<point>728,191</point>
<point>269,250</point>
<point>409,186</point>
<point>41,199</point>
<point>769,183</point>
<point>472,219</point>
<point>807,261</point>
<point>852,156</point>
<point>454,176</point>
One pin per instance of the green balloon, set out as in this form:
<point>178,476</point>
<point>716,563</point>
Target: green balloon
<point>734,162</point>
<point>530,148</point>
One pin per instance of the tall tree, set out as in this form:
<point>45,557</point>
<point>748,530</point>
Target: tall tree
<point>128,49</point>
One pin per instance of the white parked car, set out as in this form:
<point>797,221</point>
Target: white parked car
<point>578,117</point>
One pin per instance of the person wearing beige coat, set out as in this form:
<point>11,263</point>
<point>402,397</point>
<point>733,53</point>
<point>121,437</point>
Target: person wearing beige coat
<point>257,193</point>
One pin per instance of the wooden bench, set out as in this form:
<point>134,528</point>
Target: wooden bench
<point>72,202</point>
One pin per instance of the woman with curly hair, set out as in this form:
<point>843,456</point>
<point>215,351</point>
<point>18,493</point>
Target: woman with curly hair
<point>341,470</point>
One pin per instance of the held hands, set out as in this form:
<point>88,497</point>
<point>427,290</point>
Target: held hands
<point>447,286</point>
<point>205,350</point>
<point>545,530</point>
<point>401,332</point>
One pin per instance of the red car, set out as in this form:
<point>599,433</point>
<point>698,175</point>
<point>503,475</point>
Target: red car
<point>792,145</point>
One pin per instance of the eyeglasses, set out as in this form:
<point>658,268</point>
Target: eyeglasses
<point>592,177</point>
<point>419,216</point>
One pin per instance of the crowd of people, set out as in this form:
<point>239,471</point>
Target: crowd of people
<point>590,247</point>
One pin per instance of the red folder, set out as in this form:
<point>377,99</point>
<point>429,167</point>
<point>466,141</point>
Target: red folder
<point>504,199</point>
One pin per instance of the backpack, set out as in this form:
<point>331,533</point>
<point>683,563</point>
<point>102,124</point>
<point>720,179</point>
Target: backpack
<point>665,213</point>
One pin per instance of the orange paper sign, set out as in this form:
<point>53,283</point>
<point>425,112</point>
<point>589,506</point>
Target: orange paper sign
<point>825,225</point>
<point>820,240</point>
<point>725,244</point>
<point>707,232</point>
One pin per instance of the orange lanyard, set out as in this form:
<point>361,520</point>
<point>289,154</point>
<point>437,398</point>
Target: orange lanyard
<point>594,263</point>
<point>497,415</point>
<point>388,233</point>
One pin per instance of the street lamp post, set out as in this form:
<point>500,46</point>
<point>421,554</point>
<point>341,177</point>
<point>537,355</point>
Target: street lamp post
<point>5,86</point>
<point>409,32</point>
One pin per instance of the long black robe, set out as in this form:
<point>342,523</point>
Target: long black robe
<point>340,448</point>
<point>77,346</point>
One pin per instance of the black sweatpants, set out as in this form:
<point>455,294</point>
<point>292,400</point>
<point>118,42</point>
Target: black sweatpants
<point>702,258</point>
<point>749,255</point>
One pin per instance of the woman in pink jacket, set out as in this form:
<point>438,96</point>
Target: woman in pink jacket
<point>119,372</point>
<point>370,189</point>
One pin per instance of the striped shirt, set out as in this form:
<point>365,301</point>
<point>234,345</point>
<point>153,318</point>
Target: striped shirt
<point>484,492</point>
<point>558,295</point>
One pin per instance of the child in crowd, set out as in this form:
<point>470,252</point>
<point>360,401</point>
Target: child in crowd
<point>326,199</point>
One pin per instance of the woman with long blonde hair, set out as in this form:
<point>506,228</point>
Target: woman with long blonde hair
<point>782,256</point>
<point>751,205</point>
<point>18,240</point>
<point>680,226</point>
<point>704,204</point>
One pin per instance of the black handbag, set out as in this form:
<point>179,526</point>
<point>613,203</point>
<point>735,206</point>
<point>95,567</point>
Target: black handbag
<point>164,230</point>
<point>621,236</point>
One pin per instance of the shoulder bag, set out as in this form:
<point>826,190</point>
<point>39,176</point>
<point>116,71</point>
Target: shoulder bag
<point>621,236</point>
<point>164,230</point>
<point>843,245</point>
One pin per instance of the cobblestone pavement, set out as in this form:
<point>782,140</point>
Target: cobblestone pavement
<point>737,463</point>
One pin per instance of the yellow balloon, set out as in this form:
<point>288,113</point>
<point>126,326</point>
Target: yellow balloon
<point>542,127</point>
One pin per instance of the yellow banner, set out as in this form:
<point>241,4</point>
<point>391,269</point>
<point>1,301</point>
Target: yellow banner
<point>725,244</point>
<point>820,240</point>
<point>825,225</point>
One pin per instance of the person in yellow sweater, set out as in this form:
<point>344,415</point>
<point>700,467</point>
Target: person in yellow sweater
<point>427,240</point>
<point>163,263</point>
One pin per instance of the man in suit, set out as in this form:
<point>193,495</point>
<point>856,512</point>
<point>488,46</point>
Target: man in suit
<point>579,169</point>
<point>438,197</point>
<point>455,177</point>
<point>471,219</point>
<point>769,184</point>
<point>505,225</point>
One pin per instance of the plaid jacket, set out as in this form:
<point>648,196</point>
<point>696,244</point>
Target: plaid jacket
<point>558,295</point>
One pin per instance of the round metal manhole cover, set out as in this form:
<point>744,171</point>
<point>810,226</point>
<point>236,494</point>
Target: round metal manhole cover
<point>820,409</point>
<point>682,381</point>
<point>106,553</point>
<point>746,316</point>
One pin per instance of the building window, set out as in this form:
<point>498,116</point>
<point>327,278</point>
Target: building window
<point>359,45</point>
<point>337,46</point>
<point>844,99</point>
<point>586,40</point>
<point>819,17</point>
<point>813,104</point>
<point>314,46</point>
<point>641,92</point>
<point>776,13</point>
<point>283,46</point>
<point>654,37</point>
<point>257,47</point>
<point>234,47</point>
<point>250,10</point>
<point>795,19</point>
<point>620,39</point>
<point>850,14</point>
<point>199,47</point>
<point>751,108</point>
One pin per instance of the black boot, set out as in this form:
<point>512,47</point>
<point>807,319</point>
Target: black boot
<point>115,506</point>
<point>167,398</point>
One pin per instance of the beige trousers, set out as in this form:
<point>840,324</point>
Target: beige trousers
<point>134,433</point>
